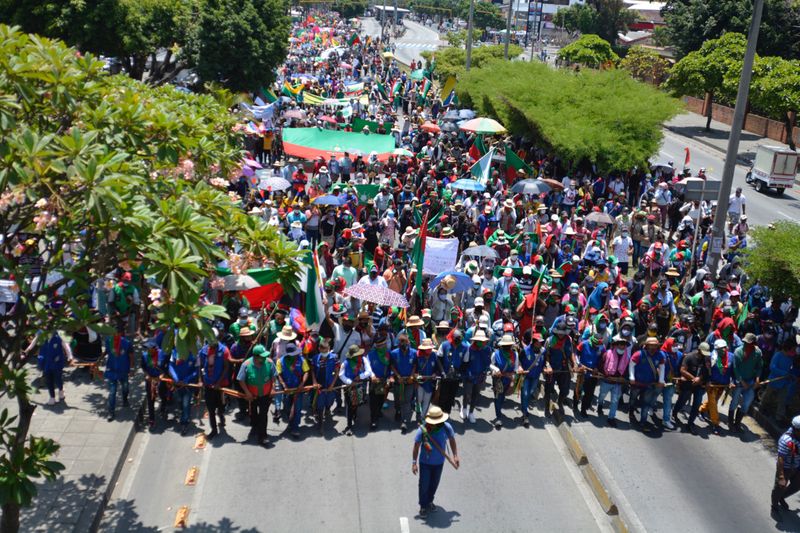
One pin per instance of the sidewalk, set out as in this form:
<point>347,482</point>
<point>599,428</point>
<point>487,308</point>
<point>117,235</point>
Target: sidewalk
<point>693,126</point>
<point>92,450</point>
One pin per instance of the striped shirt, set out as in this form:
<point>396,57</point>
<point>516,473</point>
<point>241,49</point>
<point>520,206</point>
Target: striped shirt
<point>789,450</point>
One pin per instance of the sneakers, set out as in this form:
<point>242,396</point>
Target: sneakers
<point>526,422</point>
<point>423,512</point>
<point>463,413</point>
<point>498,423</point>
<point>61,396</point>
<point>472,417</point>
<point>669,425</point>
<point>51,401</point>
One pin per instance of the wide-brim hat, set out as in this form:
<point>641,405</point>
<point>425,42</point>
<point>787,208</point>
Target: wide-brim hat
<point>246,332</point>
<point>444,324</point>
<point>447,231</point>
<point>436,415</point>
<point>651,341</point>
<point>750,338</point>
<point>426,344</point>
<point>509,204</point>
<point>414,321</point>
<point>354,351</point>
<point>292,350</point>
<point>480,336</point>
<point>506,340</point>
<point>287,333</point>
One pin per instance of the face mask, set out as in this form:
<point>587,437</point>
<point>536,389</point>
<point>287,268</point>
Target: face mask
<point>626,332</point>
<point>442,297</point>
<point>620,351</point>
<point>601,326</point>
<point>242,321</point>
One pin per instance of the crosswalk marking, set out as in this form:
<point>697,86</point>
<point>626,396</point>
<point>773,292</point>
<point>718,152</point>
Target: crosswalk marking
<point>427,46</point>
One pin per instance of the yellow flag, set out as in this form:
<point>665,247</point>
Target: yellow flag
<point>447,88</point>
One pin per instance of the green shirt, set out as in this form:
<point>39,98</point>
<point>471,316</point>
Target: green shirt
<point>747,369</point>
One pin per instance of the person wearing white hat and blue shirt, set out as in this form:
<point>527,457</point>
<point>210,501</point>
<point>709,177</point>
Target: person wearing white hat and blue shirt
<point>428,458</point>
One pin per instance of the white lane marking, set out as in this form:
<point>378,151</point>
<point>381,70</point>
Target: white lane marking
<point>132,466</point>
<point>404,525</point>
<point>203,476</point>
<point>787,216</point>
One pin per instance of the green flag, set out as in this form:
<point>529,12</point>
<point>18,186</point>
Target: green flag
<point>513,164</point>
<point>366,192</point>
<point>418,255</point>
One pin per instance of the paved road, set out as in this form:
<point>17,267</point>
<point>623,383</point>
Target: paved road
<point>514,479</point>
<point>679,482</point>
<point>417,39</point>
<point>762,209</point>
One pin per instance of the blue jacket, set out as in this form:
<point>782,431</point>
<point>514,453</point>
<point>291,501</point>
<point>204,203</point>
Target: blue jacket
<point>452,356</point>
<point>119,363</point>
<point>644,372</point>
<point>404,362</point>
<point>183,371</point>
<point>478,363</point>
<point>528,361</point>
<point>589,355</point>
<point>51,355</point>
<point>219,363</point>
<point>780,366</point>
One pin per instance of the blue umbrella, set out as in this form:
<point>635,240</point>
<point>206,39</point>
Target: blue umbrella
<point>329,199</point>
<point>463,281</point>
<point>467,184</point>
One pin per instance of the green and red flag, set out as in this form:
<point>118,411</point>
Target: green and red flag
<point>478,149</point>
<point>418,254</point>
<point>426,88</point>
<point>353,40</point>
<point>312,285</point>
<point>397,86</point>
<point>513,164</point>
<point>270,289</point>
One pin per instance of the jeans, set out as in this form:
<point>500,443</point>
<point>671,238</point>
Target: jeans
<point>697,399</point>
<point>313,237</point>
<point>185,400</point>
<point>429,477</point>
<point>112,392</point>
<point>638,251</point>
<point>742,398</point>
<point>666,397</point>
<point>528,389</point>
<point>402,397</point>
<point>563,379</point>
<point>471,392</point>
<point>647,401</point>
<point>424,400</point>
<point>54,379</point>
<point>293,401</point>
<point>616,391</point>
<point>214,405</point>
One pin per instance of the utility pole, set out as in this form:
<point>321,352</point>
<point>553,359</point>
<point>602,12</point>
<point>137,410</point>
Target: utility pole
<point>469,33</point>
<point>383,19</point>
<point>394,24</point>
<point>721,216</point>
<point>508,27</point>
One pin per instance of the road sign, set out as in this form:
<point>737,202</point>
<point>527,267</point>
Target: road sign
<point>702,190</point>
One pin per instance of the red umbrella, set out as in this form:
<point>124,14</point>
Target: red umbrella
<point>430,127</point>
<point>328,118</point>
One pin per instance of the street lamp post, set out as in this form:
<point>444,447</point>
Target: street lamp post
<point>469,33</point>
<point>508,27</point>
<point>720,217</point>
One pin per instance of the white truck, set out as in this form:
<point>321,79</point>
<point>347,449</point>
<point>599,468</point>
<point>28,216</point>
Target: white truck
<point>774,168</point>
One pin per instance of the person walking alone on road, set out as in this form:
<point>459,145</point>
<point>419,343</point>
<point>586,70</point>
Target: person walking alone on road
<point>256,377</point>
<point>787,471</point>
<point>432,439</point>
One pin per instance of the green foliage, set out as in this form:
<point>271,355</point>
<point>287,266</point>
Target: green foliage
<point>690,23</point>
<point>589,50</point>
<point>706,70</point>
<point>603,117</point>
<point>240,42</point>
<point>96,171</point>
<point>605,18</point>
<point>458,38</point>
<point>350,8</point>
<point>774,258</point>
<point>645,65</point>
<point>775,89</point>
<point>451,61</point>
<point>486,14</point>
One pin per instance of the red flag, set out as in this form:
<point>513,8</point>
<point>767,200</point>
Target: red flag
<point>264,295</point>
<point>474,153</point>
<point>539,233</point>
<point>688,157</point>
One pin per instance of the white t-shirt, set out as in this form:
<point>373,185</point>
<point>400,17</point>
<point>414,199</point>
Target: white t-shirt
<point>621,245</point>
<point>736,203</point>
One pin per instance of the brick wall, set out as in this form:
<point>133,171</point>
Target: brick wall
<point>762,126</point>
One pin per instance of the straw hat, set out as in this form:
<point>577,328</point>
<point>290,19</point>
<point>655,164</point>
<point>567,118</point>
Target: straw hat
<point>480,336</point>
<point>426,344</point>
<point>444,324</point>
<point>507,340</point>
<point>448,282</point>
<point>246,332</point>
<point>652,341</point>
<point>415,320</point>
<point>436,415</point>
<point>287,333</point>
<point>447,231</point>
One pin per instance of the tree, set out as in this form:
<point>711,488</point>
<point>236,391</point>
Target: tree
<point>775,90</point>
<point>589,50</point>
<point>97,171</point>
<point>595,117</point>
<point>451,61</point>
<point>645,65</point>
<point>577,17</point>
<point>458,38</point>
<point>486,15</point>
<point>703,72</point>
<point>350,8</point>
<point>774,259</point>
<point>132,31</point>
<point>690,23</point>
<point>605,18</point>
<point>256,31</point>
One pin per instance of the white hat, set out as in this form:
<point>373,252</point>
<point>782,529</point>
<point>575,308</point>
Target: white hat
<point>796,422</point>
<point>479,301</point>
<point>720,343</point>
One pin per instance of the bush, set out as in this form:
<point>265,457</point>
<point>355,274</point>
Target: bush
<point>774,259</point>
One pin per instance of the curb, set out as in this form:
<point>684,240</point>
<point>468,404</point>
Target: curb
<point>595,482</point>
<point>709,144</point>
<point>112,480</point>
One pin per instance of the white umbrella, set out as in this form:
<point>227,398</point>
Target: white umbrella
<point>238,282</point>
